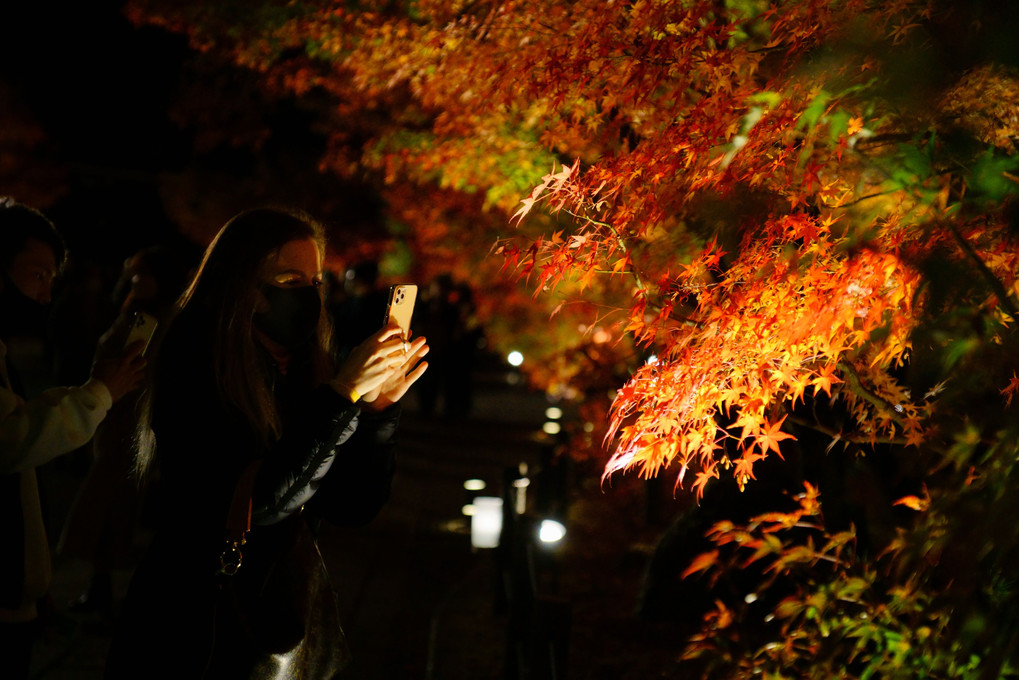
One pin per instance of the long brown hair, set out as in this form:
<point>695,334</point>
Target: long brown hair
<point>215,316</point>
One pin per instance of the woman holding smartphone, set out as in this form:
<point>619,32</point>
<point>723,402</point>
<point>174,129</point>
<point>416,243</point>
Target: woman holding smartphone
<point>244,388</point>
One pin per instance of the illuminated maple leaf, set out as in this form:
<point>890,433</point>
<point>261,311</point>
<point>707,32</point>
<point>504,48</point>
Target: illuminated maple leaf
<point>744,468</point>
<point>702,479</point>
<point>702,562</point>
<point>770,435</point>
<point>825,379</point>
<point>526,205</point>
<point>920,504</point>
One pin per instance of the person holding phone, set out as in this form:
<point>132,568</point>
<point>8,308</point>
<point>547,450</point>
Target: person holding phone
<point>35,429</point>
<point>245,387</point>
<point>102,523</point>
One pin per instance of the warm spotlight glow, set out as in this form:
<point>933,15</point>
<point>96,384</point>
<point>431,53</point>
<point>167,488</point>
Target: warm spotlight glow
<point>486,522</point>
<point>475,485</point>
<point>515,358</point>
<point>551,531</point>
<point>553,413</point>
<point>467,510</point>
<point>551,428</point>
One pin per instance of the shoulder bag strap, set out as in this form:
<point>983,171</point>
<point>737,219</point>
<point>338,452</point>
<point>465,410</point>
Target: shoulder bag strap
<point>238,521</point>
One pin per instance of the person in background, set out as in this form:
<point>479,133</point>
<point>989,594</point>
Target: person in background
<point>34,430</point>
<point>446,315</point>
<point>361,308</point>
<point>101,525</point>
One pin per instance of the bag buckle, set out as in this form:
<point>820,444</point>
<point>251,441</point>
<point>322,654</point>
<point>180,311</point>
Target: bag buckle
<point>231,558</point>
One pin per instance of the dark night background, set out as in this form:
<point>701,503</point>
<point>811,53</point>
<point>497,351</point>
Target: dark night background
<point>144,138</point>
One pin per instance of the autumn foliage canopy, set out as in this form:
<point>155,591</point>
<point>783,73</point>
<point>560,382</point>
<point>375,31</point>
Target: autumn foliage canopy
<point>747,174</point>
<point>754,221</point>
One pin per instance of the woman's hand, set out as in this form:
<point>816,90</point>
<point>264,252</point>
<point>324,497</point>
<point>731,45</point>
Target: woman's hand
<point>371,364</point>
<point>405,375</point>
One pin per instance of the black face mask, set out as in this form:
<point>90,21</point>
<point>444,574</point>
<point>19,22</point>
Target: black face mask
<point>292,317</point>
<point>20,315</point>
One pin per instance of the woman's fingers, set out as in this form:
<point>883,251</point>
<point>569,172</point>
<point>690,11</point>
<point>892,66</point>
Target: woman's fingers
<point>383,361</point>
<point>387,333</point>
<point>392,350</point>
<point>416,345</point>
<point>418,371</point>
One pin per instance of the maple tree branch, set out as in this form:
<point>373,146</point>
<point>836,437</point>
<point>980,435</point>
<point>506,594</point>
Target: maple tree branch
<point>780,47</point>
<point>857,387</point>
<point>619,240</point>
<point>993,281</point>
<point>863,198</point>
<point>881,140</point>
<point>847,438</point>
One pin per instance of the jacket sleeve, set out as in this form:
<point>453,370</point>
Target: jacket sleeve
<point>292,471</point>
<point>359,483</point>
<point>58,421</point>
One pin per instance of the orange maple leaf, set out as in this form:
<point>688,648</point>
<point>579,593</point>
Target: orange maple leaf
<point>798,386</point>
<point>703,477</point>
<point>700,563</point>
<point>825,379</point>
<point>750,421</point>
<point>915,502</point>
<point>770,436</point>
<point>744,469</point>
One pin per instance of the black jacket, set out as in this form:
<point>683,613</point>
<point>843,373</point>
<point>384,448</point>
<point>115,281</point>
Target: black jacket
<point>333,460</point>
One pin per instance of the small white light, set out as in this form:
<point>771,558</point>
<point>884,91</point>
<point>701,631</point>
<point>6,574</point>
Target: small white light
<point>475,485</point>
<point>486,522</point>
<point>652,360</point>
<point>521,484</point>
<point>551,428</point>
<point>467,509</point>
<point>553,413</point>
<point>750,598</point>
<point>551,531</point>
<point>515,358</point>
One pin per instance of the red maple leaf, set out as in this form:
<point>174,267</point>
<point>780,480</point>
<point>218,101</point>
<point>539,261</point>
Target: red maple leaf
<point>1010,389</point>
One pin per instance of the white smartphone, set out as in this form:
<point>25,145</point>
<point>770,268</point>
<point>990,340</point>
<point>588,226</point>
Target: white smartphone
<point>143,326</point>
<point>401,306</point>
